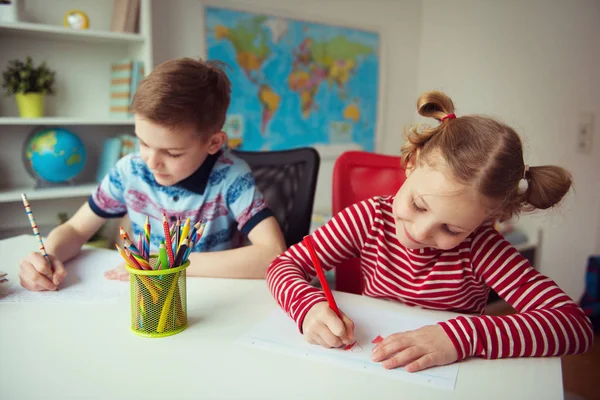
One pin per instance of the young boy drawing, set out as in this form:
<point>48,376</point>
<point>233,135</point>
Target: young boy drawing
<point>181,171</point>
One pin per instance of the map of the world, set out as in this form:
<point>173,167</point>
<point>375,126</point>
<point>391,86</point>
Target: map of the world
<point>295,83</point>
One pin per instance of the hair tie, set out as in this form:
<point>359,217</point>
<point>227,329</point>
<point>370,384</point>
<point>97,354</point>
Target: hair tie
<point>449,116</point>
<point>524,182</point>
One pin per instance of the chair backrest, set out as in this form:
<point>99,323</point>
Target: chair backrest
<point>359,175</point>
<point>287,180</point>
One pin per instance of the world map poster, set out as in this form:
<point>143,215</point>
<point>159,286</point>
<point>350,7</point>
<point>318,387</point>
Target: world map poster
<point>295,83</point>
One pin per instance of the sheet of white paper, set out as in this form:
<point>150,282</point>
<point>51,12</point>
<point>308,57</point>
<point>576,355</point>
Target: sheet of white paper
<point>278,333</point>
<point>85,281</point>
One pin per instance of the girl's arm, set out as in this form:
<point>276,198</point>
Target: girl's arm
<point>340,239</point>
<point>548,322</point>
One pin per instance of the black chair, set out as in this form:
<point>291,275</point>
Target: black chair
<point>287,180</point>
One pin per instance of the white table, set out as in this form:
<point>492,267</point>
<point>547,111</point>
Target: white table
<point>85,350</point>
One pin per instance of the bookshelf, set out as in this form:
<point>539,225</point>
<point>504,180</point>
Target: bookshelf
<point>82,60</point>
<point>64,121</point>
<point>61,192</point>
<point>53,32</point>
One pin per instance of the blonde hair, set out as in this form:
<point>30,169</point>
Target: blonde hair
<point>485,154</point>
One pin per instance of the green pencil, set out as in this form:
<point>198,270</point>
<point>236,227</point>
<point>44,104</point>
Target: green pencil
<point>162,255</point>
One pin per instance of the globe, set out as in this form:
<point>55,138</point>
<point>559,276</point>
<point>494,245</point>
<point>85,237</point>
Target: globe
<point>54,155</point>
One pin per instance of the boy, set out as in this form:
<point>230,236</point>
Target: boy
<point>182,171</point>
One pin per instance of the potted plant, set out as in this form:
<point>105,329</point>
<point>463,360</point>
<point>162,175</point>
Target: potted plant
<point>29,84</point>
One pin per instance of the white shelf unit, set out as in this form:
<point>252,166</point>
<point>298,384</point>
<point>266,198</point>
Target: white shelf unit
<point>45,121</point>
<point>59,192</point>
<point>82,61</point>
<point>46,32</point>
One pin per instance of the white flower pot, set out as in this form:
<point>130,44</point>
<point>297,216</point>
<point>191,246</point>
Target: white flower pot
<point>10,10</point>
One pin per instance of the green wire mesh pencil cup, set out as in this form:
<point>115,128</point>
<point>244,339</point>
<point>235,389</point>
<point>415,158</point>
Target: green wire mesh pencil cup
<point>158,300</point>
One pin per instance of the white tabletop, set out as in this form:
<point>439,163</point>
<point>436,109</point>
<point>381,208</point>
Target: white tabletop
<point>86,350</point>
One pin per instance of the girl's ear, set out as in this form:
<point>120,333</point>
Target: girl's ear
<point>216,142</point>
<point>412,162</point>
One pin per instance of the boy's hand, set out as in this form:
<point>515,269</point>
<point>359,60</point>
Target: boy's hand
<point>322,326</point>
<point>36,274</point>
<point>419,349</point>
<point>117,274</point>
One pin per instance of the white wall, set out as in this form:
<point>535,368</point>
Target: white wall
<point>178,30</point>
<point>535,64</point>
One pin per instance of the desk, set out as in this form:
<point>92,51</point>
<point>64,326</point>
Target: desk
<point>77,350</point>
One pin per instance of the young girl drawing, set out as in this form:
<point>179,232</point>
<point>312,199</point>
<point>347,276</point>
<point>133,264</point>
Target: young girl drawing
<point>433,245</point>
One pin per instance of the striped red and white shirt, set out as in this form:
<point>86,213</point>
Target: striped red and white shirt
<point>549,323</point>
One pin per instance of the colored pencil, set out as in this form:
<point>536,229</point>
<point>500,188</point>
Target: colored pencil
<point>162,255</point>
<point>185,230</point>
<point>180,253</point>
<point>125,237</point>
<point>168,243</point>
<point>34,226</point>
<point>130,263</point>
<point>317,264</point>
<point>141,245</point>
<point>177,236</point>
<point>147,231</point>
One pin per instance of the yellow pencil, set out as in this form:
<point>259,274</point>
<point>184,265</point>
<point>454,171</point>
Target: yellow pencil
<point>184,232</point>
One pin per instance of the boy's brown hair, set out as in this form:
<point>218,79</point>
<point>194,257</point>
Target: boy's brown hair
<point>185,92</point>
<point>485,154</point>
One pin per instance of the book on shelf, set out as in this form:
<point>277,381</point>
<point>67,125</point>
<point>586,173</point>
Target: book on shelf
<point>125,17</point>
<point>125,77</point>
<point>112,150</point>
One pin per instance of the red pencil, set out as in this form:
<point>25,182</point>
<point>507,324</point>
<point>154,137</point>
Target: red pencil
<point>168,243</point>
<point>317,264</point>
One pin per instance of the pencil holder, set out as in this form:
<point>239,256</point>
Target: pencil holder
<point>158,300</point>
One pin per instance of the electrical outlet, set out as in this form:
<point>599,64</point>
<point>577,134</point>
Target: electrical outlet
<point>585,132</point>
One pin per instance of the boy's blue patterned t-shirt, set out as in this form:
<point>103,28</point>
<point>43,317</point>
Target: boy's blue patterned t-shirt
<point>221,193</point>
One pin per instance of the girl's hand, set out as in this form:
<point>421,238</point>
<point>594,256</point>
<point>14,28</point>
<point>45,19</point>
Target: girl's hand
<point>117,274</point>
<point>417,350</point>
<point>322,326</point>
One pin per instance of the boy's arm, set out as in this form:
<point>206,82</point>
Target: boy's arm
<point>549,323</point>
<point>245,262</point>
<point>62,244</point>
<point>65,241</point>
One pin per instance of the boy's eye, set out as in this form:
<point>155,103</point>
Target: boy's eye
<point>174,155</point>
<point>416,207</point>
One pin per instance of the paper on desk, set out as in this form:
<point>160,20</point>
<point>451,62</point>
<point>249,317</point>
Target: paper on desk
<point>278,332</point>
<point>84,282</point>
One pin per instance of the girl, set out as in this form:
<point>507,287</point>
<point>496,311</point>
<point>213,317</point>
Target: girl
<point>433,245</point>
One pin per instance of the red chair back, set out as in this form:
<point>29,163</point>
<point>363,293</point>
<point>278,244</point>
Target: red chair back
<point>359,175</point>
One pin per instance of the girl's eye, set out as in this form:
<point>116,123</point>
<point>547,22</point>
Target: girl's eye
<point>450,232</point>
<point>416,207</point>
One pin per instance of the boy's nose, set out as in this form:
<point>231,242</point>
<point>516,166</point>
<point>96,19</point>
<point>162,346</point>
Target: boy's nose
<point>152,161</point>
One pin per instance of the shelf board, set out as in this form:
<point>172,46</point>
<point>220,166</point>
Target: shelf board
<point>43,31</point>
<point>11,195</point>
<point>64,121</point>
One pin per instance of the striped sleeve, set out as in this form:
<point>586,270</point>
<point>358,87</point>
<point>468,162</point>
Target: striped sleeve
<point>548,322</point>
<point>340,239</point>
